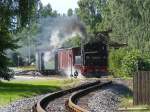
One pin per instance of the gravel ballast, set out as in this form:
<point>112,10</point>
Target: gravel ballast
<point>107,99</point>
<point>58,105</point>
<point>104,101</point>
<point>24,105</point>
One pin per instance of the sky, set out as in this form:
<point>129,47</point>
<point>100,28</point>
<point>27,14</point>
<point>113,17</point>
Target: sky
<point>61,5</point>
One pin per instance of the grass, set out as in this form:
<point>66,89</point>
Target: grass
<point>14,90</point>
<point>127,102</point>
<point>27,67</point>
<point>126,99</point>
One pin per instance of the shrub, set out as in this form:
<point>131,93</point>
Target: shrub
<point>123,63</point>
<point>144,64</point>
<point>115,61</point>
<point>130,62</point>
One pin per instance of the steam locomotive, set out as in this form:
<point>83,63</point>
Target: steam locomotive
<point>91,59</point>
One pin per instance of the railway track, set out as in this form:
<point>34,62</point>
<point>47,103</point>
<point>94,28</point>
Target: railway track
<point>58,101</point>
<point>37,72</point>
<point>74,106</point>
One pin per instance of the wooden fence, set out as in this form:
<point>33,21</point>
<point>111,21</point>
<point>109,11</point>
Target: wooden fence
<point>141,88</point>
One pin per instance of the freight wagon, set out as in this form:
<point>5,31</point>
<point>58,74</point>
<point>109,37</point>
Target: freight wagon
<point>45,61</point>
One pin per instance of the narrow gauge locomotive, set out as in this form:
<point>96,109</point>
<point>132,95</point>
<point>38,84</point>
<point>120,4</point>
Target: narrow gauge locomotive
<point>90,60</point>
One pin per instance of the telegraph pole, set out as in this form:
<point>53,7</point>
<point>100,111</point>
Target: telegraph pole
<point>18,60</point>
<point>29,48</point>
<point>29,42</point>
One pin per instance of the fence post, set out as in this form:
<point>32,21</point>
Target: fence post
<point>141,88</point>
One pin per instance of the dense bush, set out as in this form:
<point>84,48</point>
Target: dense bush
<point>145,63</point>
<point>123,62</point>
<point>130,62</point>
<point>115,61</point>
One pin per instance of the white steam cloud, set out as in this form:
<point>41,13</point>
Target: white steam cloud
<point>54,31</point>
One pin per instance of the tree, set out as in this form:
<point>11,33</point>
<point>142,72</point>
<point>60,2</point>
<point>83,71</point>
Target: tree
<point>6,41</point>
<point>70,12</point>
<point>47,11</point>
<point>26,11</point>
<point>22,11</point>
<point>76,11</point>
<point>55,14</point>
<point>130,21</point>
<point>28,41</point>
<point>73,42</point>
<point>17,60</point>
<point>90,12</point>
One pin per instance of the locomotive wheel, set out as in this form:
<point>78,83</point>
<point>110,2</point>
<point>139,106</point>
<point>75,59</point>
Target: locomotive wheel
<point>76,74</point>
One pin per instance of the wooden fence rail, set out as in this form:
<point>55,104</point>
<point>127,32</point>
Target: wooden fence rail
<point>141,88</point>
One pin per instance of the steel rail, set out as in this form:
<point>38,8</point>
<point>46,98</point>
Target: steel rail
<point>71,104</point>
<point>42,103</point>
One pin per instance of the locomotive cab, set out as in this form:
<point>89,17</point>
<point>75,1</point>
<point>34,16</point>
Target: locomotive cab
<point>95,59</point>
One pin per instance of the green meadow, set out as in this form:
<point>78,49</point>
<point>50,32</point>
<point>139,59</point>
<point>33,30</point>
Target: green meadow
<point>14,90</point>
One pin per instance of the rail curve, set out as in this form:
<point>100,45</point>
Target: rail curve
<point>42,103</point>
<point>71,104</point>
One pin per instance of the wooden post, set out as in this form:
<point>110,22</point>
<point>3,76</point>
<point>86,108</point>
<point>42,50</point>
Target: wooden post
<point>141,88</point>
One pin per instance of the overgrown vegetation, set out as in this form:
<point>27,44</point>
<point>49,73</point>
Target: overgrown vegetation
<point>124,62</point>
<point>73,42</point>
